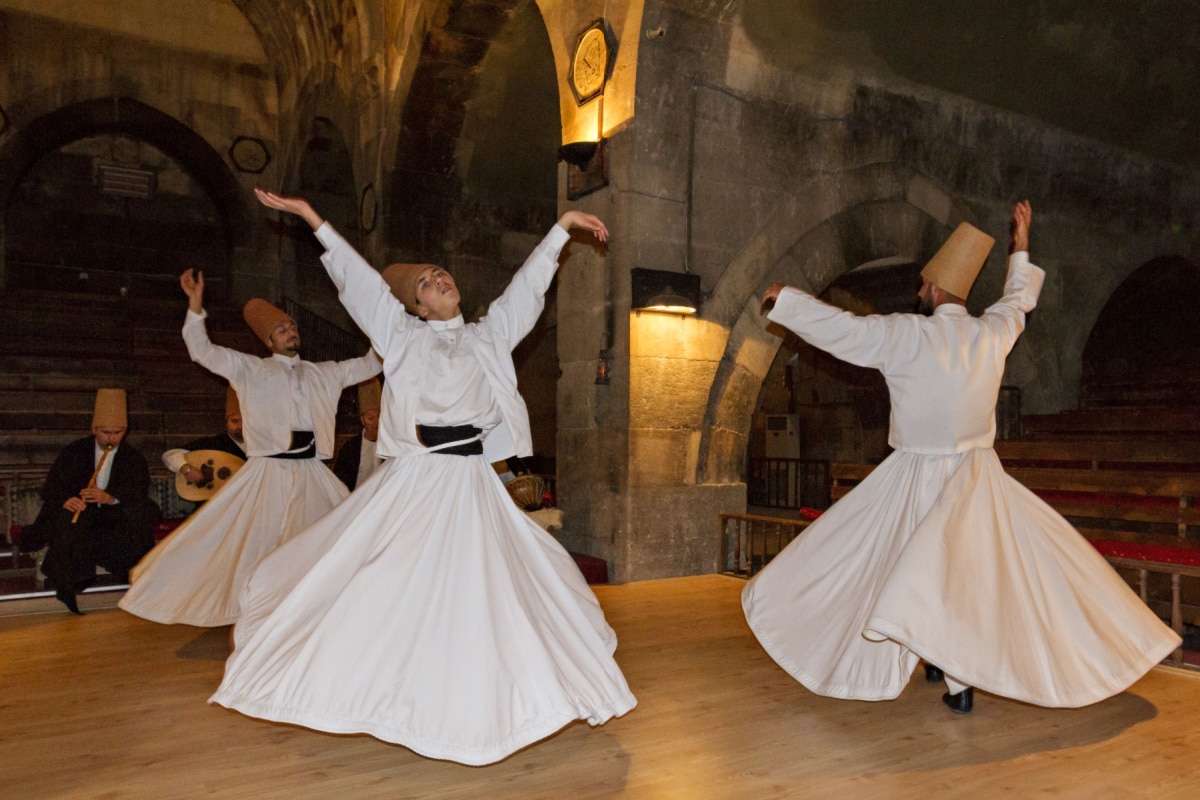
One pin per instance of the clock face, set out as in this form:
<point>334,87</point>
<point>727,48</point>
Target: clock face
<point>591,64</point>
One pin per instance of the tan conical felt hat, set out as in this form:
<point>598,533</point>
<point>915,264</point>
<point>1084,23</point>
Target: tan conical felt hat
<point>232,406</point>
<point>110,409</point>
<point>369,396</point>
<point>262,317</point>
<point>956,265</point>
<point>402,280</point>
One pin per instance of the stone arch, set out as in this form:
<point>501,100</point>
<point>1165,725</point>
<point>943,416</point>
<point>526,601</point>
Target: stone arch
<point>131,117</point>
<point>425,164</point>
<point>828,227</point>
<point>1146,328</point>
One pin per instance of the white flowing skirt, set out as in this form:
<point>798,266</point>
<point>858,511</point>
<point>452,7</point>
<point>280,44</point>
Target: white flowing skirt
<point>428,611</point>
<point>949,559</point>
<point>196,575</point>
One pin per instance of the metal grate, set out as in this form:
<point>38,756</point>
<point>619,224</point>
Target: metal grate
<point>787,483</point>
<point>126,182</point>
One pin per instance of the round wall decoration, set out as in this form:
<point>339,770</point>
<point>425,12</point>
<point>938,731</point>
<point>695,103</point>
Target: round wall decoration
<point>249,154</point>
<point>589,67</point>
<point>367,208</point>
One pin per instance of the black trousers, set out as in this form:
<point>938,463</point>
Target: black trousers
<point>114,537</point>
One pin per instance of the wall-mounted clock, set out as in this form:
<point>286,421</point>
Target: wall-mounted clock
<point>589,67</point>
<point>249,154</point>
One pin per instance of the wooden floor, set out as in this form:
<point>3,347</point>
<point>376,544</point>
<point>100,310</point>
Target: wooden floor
<point>110,706</point>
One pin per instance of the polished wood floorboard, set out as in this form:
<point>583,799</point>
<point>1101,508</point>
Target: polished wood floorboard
<point>109,706</point>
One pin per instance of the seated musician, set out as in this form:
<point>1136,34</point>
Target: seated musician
<point>95,506</point>
<point>230,441</point>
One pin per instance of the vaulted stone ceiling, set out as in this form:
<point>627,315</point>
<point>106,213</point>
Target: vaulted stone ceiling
<point>1124,72</point>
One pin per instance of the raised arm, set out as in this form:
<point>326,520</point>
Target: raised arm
<point>514,313</point>
<point>291,205</point>
<point>864,341</point>
<point>357,370</point>
<point>220,360</point>
<point>1022,285</point>
<point>362,291</point>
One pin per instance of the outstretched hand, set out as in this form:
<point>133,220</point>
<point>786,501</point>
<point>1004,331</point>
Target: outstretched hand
<point>292,205</point>
<point>589,222</point>
<point>1022,218</point>
<point>770,296</point>
<point>193,286</point>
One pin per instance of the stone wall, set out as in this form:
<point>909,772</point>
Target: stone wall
<point>747,170</point>
<point>53,64</point>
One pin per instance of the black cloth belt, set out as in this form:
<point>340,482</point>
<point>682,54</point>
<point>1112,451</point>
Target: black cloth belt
<point>432,436</point>
<point>304,445</point>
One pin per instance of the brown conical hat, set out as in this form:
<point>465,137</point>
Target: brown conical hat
<point>370,396</point>
<point>956,265</point>
<point>232,406</point>
<point>110,409</point>
<point>402,280</point>
<point>262,317</point>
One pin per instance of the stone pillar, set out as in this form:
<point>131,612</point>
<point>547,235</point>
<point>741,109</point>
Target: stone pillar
<point>628,449</point>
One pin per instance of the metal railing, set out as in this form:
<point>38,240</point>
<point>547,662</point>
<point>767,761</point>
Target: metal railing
<point>787,483</point>
<point>748,542</point>
<point>324,341</point>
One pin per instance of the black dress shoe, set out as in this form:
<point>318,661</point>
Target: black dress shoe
<point>933,674</point>
<point>67,598</point>
<point>960,703</point>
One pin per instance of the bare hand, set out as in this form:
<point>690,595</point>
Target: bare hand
<point>292,205</point>
<point>589,222</point>
<point>1022,218</point>
<point>93,494</point>
<point>193,286</point>
<point>74,505</point>
<point>191,474</point>
<point>771,295</point>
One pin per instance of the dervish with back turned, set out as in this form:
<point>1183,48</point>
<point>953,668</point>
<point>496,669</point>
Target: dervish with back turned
<point>196,575</point>
<point>472,631</point>
<point>938,554</point>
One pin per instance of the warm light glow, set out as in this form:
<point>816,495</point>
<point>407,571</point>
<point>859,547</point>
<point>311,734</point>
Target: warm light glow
<point>669,309</point>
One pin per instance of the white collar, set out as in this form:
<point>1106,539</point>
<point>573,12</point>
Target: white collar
<point>446,324</point>
<point>291,361</point>
<point>952,308</point>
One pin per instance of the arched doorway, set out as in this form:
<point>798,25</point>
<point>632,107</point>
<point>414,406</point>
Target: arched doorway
<point>121,193</point>
<point>1145,345</point>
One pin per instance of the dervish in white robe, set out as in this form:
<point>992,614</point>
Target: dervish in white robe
<point>196,575</point>
<point>471,631</point>
<point>938,554</point>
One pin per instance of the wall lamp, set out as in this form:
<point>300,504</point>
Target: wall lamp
<point>663,290</point>
<point>587,167</point>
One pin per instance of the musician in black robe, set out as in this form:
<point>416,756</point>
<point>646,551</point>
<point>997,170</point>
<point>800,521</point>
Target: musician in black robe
<point>231,441</point>
<point>357,459</point>
<point>96,509</point>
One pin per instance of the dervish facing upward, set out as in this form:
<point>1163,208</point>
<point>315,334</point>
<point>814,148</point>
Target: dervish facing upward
<point>288,406</point>
<point>472,631</point>
<point>938,554</point>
